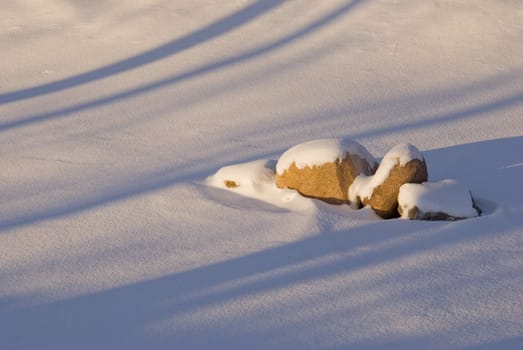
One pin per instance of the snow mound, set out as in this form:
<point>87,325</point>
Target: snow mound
<point>446,198</point>
<point>256,180</point>
<point>363,186</point>
<point>318,152</point>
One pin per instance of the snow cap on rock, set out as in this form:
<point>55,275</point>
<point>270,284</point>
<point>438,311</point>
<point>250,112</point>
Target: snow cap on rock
<point>443,200</point>
<point>318,152</point>
<point>399,155</point>
<point>324,169</point>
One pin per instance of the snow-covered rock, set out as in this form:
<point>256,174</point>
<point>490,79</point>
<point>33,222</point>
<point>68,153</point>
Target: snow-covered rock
<point>256,180</point>
<point>324,168</point>
<point>443,200</point>
<point>402,164</point>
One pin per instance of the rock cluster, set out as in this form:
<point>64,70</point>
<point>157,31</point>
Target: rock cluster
<point>343,171</point>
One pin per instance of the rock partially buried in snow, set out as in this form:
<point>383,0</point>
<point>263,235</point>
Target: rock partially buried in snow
<point>443,200</point>
<point>402,164</point>
<point>256,180</point>
<point>324,169</point>
<point>244,177</point>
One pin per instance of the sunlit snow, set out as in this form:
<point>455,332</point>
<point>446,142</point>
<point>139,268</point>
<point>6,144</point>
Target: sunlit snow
<point>116,116</point>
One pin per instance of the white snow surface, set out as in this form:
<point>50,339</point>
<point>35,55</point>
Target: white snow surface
<point>113,114</point>
<point>363,186</point>
<point>446,196</point>
<point>318,152</point>
<point>256,180</point>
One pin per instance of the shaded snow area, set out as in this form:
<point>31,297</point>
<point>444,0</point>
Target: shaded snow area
<point>115,117</point>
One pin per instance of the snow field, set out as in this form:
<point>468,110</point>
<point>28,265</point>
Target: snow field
<point>112,115</point>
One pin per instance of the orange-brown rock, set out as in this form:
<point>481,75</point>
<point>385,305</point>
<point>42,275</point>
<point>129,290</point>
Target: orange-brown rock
<point>329,182</point>
<point>384,198</point>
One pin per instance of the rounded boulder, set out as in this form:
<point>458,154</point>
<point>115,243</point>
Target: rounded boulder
<point>324,169</point>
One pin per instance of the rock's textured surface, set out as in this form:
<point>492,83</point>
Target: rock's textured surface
<point>384,198</point>
<point>335,166</point>
<point>402,164</point>
<point>329,182</point>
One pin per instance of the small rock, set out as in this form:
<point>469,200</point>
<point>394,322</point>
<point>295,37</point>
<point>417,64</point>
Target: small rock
<point>444,200</point>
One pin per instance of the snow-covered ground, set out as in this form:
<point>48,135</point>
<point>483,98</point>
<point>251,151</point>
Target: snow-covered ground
<point>113,115</point>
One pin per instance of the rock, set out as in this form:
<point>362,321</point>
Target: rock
<point>254,180</point>
<point>443,200</point>
<point>402,164</point>
<point>384,199</point>
<point>324,169</point>
<point>245,176</point>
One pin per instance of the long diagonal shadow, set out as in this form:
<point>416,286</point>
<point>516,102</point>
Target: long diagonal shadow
<point>330,117</point>
<point>200,36</point>
<point>115,194</point>
<point>204,69</point>
<point>126,312</point>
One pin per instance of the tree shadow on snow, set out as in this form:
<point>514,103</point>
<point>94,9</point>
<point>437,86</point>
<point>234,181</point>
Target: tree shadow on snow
<point>502,344</point>
<point>122,317</point>
<point>342,119</point>
<point>492,170</point>
<point>202,35</point>
<point>180,310</point>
